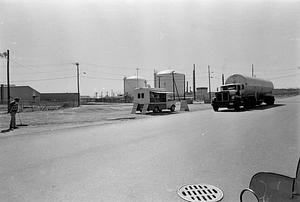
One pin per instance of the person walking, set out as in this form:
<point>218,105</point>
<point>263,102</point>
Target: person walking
<point>13,109</point>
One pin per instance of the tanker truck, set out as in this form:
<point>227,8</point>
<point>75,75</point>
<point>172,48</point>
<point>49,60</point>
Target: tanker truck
<point>243,91</point>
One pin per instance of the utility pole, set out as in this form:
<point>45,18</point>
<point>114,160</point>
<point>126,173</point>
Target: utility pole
<point>173,85</point>
<point>252,71</point>
<point>209,92</point>
<point>184,87</point>
<point>223,79</point>
<point>187,86</point>
<point>124,79</point>
<point>194,83</point>
<point>6,55</point>
<point>154,78</point>
<point>8,85</point>
<point>78,92</point>
<point>137,77</point>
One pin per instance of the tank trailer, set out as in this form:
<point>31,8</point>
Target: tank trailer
<point>243,91</point>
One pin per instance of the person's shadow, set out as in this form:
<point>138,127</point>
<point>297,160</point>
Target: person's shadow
<point>5,130</point>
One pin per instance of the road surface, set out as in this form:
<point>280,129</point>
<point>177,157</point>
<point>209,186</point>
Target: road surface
<point>150,159</point>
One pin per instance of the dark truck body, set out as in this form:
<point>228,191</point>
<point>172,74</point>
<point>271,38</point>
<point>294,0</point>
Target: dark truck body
<point>243,91</point>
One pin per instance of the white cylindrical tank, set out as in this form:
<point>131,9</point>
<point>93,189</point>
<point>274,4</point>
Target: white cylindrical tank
<point>133,82</point>
<point>164,79</point>
<point>251,84</point>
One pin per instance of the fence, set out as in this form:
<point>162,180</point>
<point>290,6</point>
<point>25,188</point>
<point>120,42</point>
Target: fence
<point>25,105</point>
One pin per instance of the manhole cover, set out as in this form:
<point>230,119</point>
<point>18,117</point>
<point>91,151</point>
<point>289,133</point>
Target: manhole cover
<point>200,192</point>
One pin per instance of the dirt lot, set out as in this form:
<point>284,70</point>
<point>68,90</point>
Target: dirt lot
<point>85,115</point>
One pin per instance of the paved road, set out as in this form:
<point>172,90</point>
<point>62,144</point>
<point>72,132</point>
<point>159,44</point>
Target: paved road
<point>149,159</point>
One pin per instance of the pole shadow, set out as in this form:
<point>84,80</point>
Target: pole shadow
<point>5,130</point>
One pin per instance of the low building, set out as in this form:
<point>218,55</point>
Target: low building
<point>67,99</point>
<point>27,94</point>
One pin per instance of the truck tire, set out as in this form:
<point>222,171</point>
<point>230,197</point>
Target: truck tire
<point>246,104</point>
<point>253,102</point>
<point>250,103</point>
<point>216,108</point>
<point>172,108</point>
<point>269,100</point>
<point>156,109</point>
<point>237,107</point>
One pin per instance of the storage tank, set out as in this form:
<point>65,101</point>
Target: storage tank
<point>164,79</point>
<point>261,86</point>
<point>133,82</point>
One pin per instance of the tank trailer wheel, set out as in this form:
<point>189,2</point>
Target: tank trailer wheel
<point>172,108</point>
<point>156,110</point>
<point>237,107</point>
<point>216,108</point>
<point>269,100</point>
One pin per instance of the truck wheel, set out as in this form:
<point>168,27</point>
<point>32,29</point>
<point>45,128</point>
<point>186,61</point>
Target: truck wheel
<point>172,108</point>
<point>270,102</point>
<point>237,107</point>
<point>253,102</point>
<point>216,108</point>
<point>246,104</point>
<point>249,103</point>
<point>156,110</point>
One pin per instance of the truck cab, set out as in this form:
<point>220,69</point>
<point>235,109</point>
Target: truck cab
<point>229,96</point>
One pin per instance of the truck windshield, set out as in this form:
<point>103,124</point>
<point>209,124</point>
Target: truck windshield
<point>157,97</point>
<point>229,87</point>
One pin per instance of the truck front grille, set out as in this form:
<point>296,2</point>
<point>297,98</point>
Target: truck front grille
<point>219,97</point>
<point>222,96</point>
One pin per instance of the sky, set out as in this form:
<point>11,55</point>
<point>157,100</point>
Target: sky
<point>110,39</point>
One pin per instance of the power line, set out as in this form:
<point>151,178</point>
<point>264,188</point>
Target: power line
<point>46,79</point>
<point>116,67</point>
<point>285,76</point>
<point>46,72</point>
<point>29,67</point>
<point>90,77</point>
<point>42,65</point>
<point>105,73</point>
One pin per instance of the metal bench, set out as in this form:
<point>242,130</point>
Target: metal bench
<point>272,187</point>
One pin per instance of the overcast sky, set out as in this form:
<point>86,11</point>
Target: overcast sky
<point>111,38</point>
